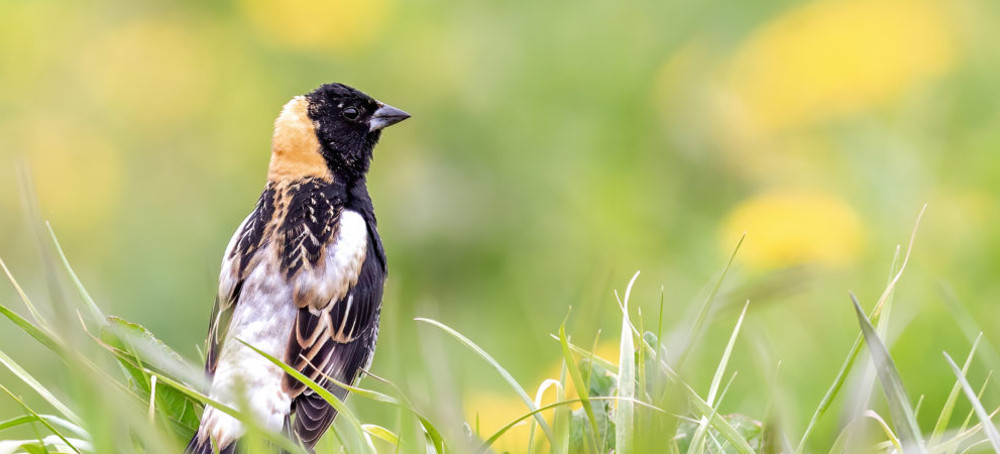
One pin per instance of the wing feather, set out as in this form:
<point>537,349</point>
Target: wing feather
<point>335,267</point>
<point>240,252</point>
<point>343,341</point>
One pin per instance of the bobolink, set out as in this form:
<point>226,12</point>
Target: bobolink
<point>302,277</point>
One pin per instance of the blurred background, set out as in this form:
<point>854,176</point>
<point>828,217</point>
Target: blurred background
<point>555,148</point>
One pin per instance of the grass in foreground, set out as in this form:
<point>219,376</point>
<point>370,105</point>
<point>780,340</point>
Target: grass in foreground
<point>132,393</point>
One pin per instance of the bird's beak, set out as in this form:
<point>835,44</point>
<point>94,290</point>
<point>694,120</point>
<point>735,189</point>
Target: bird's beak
<point>386,115</point>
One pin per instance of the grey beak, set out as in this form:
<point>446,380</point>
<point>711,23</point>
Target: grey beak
<point>386,115</point>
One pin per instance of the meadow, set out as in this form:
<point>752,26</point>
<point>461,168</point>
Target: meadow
<point>763,164</point>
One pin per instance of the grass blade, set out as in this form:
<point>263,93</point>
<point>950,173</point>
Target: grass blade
<point>903,418</point>
<point>381,433</point>
<point>95,312</point>
<point>430,431</point>
<point>582,388</point>
<point>334,402</point>
<point>625,411</point>
<point>25,377</point>
<point>706,307</point>
<point>24,297</point>
<point>496,435</point>
<point>277,439</point>
<point>720,424</point>
<point>54,420</point>
<point>848,364</point>
<point>984,417</point>
<point>42,335</point>
<point>503,373</point>
<point>988,355</point>
<point>862,394</point>
<point>721,370</point>
<point>885,429</point>
<point>561,416</point>
<point>39,418</point>
<point>949,405</point>
<point>701,408</point>
<point>698,440</point>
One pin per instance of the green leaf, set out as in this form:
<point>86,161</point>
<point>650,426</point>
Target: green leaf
<point>699,322</point>
<point>848,363</point>
<point>275,438</point>
<point>496,435</point>
<point>903,418</point>
<point>42,335</point>
<point>503,373</point>
<point>334,402</point>
<point>581,389</point>
<point>95,312</point>
<point>54,420</point>
<point>435,435</point>
<point>48,445</point>
<point>949,405</point>
<point>135,348</point>
<point>25,377</point>
<point>625,411</point>
<point>24,297</point>
<point>40,419</point>
<point>381,433</point>
<point>699,436</point>
<point>984,416</point>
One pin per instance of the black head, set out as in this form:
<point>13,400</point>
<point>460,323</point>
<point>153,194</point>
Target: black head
<point>348,125</point>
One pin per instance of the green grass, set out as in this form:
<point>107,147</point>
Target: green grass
<point>132,393</point>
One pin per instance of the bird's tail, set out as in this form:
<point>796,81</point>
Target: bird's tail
<point>194,447</point>
<point>197,447</point>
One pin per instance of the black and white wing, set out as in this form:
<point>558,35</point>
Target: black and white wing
<point>337,272</point>
<point>241,254</point>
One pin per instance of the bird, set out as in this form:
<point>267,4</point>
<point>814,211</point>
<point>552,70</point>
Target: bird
<point>302,277</point>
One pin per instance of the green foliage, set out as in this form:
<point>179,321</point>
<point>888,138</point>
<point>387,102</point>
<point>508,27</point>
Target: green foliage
<point>594,427</point>
<point>556,146</point>
<point>124,339</point>
<point>148,396</point>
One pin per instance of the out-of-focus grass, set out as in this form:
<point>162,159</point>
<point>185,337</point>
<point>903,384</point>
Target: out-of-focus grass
<point>148,397</point>
<point>555,147</point>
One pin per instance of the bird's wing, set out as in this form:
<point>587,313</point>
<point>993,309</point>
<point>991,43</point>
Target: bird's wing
<point>238,260</point>
<point>335,330</point>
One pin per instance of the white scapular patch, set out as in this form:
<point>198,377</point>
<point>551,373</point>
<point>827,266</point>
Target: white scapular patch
<point>328,283</point>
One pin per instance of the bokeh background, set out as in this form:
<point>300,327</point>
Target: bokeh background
<point>555,148</point>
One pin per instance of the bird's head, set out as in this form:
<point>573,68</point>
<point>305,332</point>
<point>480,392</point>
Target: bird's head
<point>336,123</point>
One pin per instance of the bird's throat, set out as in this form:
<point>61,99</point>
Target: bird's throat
<point>295,150</point>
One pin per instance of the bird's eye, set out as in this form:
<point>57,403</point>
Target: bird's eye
<point>351,113</point>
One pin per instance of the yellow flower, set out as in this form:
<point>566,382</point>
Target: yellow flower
<point>489,412</point>
<point>153,73</point>
<point>318,24</point>
<point>607,351</point>
<point>791,228</point>
<point>77,174</point>
<point>833,57</point>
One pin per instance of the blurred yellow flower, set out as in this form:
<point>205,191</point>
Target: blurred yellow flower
<point>835,57</point>
<point>152,72</point>
<point>24,65</point>
<point>792,228</point>
<point>962,218</point>
<point>607,351</point>
<point>77,174</point>
<point>490,412</point>
<point>341,25</point>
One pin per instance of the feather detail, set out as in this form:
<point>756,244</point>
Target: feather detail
<point>240,256</point>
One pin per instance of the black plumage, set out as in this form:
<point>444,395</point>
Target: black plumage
<point>307,261</point>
